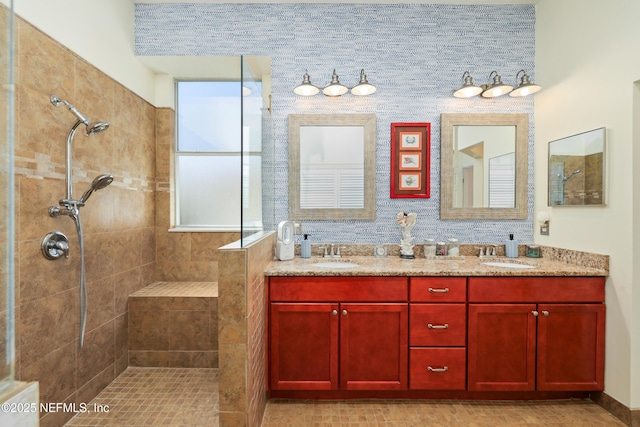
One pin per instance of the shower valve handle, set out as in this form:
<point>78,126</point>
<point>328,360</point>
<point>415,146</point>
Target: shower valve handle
<point>55,245</point>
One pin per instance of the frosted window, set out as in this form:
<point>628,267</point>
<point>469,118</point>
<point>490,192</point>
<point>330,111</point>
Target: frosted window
<point>208,116</point>
<point>209,185</point>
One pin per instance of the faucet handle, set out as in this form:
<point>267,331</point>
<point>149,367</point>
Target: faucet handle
<point>324,249</point>
<point>338,251</point>
<point>481,254</point>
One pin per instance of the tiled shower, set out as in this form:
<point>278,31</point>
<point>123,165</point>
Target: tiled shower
<point>127,245</point>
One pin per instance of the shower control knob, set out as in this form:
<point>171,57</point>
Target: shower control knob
<point>55,245</point>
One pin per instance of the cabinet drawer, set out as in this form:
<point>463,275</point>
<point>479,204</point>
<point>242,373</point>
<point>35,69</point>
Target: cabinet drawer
<point>438,289</point>
<point>437,325</point>
<point>437,369</point>
<point>536,289</point>
<point>341,289</point>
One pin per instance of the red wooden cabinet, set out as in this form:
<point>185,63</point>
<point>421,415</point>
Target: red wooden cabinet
<point>437,333</point>
<point>502,347</point>
<point>571,346</point>
<point>355,340</point>
<point>373,346</point>
<point>521,345</point>
<point>304,346</point>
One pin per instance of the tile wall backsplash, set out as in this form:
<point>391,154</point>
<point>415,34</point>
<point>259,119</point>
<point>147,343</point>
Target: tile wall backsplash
<point>118,221</point>
<point>414,54</point>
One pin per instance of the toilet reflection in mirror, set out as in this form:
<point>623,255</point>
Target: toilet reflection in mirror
<point>576,169</point>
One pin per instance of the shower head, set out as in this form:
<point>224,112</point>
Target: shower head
<point>566,178</point>
<point>97,127</point>
<point>92,128</point>
<point>98,183</point>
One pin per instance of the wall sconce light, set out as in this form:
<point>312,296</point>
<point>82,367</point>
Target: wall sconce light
<point>306,88</point>
<point>496,87</point>
<point>543,221</point>
<point>525,87</point>
<point>468,88</point>
<point>335,88</point>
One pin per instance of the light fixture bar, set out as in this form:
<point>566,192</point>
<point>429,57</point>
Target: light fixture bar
<point>496,87</point>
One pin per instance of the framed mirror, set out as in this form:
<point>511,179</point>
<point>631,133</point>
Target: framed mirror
<point>576,169</point>
<point>483,166</point>
<point>332,166</point>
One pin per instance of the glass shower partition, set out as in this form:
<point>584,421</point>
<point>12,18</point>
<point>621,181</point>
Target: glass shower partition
<point>7,349</point>
<point>257,197</point>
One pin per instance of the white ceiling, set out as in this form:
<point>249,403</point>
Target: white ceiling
<point>351,1</point>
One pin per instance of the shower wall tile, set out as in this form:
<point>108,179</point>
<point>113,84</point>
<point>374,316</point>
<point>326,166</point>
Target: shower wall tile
<point>98,383</point>
<point>118,221</point>
<point>59,383</point>
<point>46,324</point>
<point>101,297</point>
<point>97,353</point>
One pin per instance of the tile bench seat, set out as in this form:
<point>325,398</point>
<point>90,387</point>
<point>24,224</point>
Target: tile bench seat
<point>174,324</point>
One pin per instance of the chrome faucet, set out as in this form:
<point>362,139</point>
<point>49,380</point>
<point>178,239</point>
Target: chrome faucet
<point>489,252</point>
<point>333,252</point>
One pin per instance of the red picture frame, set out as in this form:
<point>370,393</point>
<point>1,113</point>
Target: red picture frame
<point>410,160</point>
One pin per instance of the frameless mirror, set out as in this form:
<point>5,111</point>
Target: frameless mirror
<point>332,166</point>
<point>483,170</point>
<point>576,169</point>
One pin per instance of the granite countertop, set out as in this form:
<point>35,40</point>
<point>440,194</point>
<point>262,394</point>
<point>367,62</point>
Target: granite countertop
<point>456,266</point>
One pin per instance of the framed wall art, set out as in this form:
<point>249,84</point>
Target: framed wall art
<point>410,160</point>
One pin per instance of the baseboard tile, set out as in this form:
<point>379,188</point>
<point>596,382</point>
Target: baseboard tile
<point>617,409</point>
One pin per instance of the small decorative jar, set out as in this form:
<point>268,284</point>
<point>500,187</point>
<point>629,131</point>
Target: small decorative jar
<point>533,251</point>
<point>441,249</point>
<point>429,248</point>
<point>453,247</point>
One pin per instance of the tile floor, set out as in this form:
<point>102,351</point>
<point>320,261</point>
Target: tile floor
<point>565,413</point>
<point>185,397</point>
<point>188,397</point>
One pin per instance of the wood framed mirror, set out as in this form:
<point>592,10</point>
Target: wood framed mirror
<point>484,166</point>
<point>332,166</point>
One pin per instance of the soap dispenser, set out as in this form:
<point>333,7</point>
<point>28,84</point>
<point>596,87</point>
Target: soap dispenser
<point>305,247</point>
<point>511,248</point>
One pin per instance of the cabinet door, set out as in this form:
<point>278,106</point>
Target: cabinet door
<point>373,346</point>
<point>571,347</point>
<point>304,346</point>
<point>502,347</point>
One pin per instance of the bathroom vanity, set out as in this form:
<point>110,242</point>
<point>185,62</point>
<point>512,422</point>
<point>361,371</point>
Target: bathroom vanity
<point>424,328</point>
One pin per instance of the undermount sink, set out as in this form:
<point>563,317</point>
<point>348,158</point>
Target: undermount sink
<point>507,264</point>
<point>335,264</point>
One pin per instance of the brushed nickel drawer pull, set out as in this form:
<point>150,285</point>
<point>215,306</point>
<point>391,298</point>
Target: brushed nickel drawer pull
<point>344,312</point>
<point>445,369</point>
<point>535,313</point>
<point>334,312</point>
<point>438,290</point>
<point>545,312</point>
<point>430,326</point>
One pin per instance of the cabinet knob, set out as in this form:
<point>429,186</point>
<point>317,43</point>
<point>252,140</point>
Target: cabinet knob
<point>430,326</point>
<point>545,312</point>
<point>438,291</point>
<point>344,312</point>
<point>334,312</point>
<point>444,369</point>
<point>535,313</point>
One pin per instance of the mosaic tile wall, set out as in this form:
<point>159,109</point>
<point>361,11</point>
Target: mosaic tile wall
<point>414,54</point>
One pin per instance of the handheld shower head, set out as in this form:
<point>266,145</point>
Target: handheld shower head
<point>92,128</point>
<point>98,183</point>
